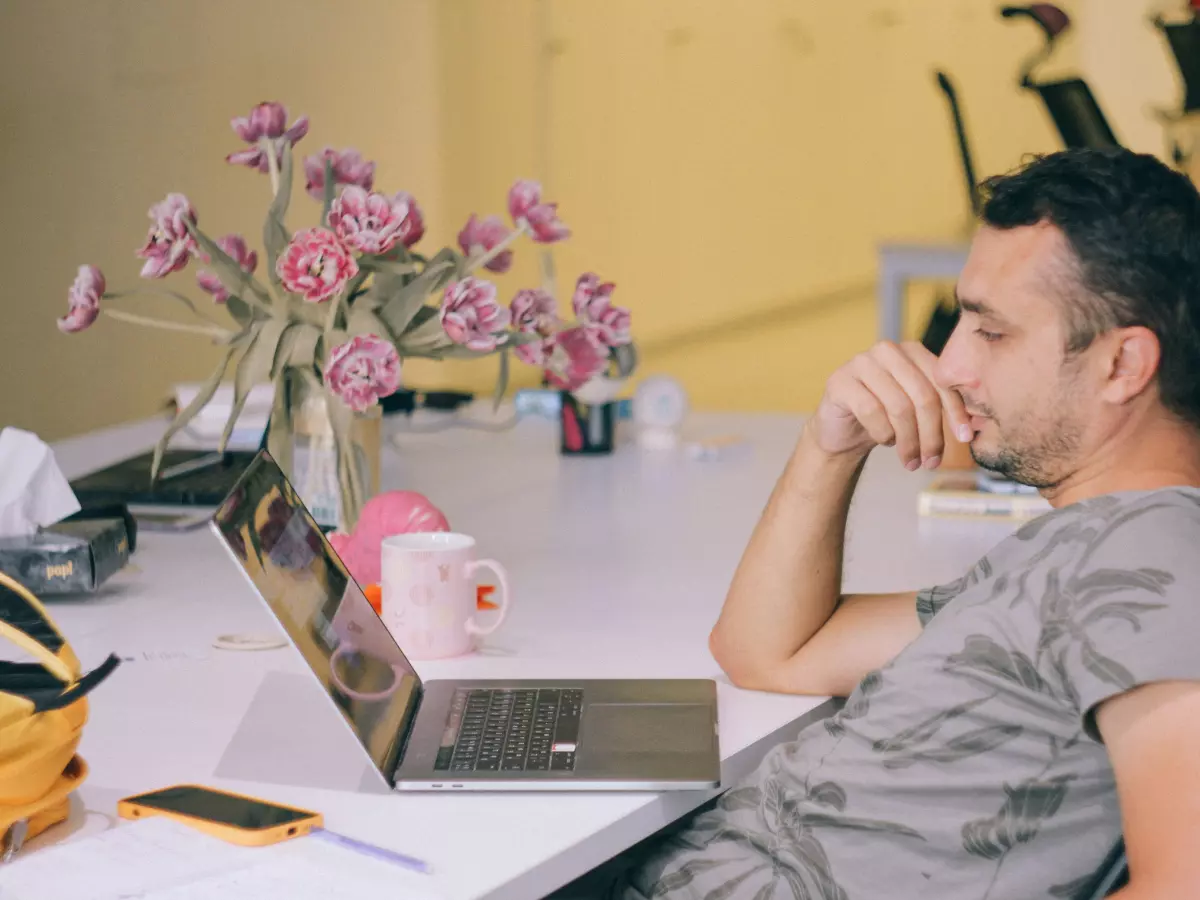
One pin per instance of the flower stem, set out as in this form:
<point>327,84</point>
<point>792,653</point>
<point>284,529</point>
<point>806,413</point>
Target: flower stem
<point>477,262</point>
<point>211,331</point>
<point>174,295</point>
<point>272,165</point>
<point>334,306</point>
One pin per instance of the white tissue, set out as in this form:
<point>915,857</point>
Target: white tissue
<point>33,490</point>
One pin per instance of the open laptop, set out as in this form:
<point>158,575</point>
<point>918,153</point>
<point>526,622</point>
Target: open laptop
<point>560,734</point>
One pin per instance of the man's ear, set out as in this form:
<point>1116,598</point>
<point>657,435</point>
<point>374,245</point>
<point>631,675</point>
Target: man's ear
<point>1133,357</point>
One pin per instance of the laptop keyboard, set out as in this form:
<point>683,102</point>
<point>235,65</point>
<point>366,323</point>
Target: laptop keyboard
<point>496,730</point>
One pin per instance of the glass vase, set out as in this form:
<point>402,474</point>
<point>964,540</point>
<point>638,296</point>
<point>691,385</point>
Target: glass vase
<point>334,498</point>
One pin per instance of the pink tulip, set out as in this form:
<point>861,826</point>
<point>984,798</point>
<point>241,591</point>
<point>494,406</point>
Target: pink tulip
<point>369,223</point>
<point>479,236</point>
<point>315,265</point>
<point>348,168</point>
<point>574,357</point>
<point>541,219</point>
<point>362,370</point>
<point>535,353</point>
<point>265,123</point>
<point>168,244</point>
<point>83,300</point>
<point>534,312</point>
<point>413,227</point>
<point>471,316</point>
<point>235,246</point>
<point>594,310</point>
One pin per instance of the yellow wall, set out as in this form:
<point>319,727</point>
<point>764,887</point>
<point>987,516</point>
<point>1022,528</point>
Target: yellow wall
<point>729,165</point>
<point>734,164</point>
<point>1128,64</point>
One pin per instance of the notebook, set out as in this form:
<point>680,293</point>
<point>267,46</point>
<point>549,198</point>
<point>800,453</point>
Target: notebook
<point>161,859</point>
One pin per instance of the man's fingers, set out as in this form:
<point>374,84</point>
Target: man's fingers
<point>925,400</point>
<point>900,410</point>
<point>866,408</point>
<point>952,401</point>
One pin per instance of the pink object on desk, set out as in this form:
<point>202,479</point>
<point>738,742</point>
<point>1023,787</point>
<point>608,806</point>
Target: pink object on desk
<point>392,512</point>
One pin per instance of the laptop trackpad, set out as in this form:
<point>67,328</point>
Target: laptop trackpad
<point>618,728</point>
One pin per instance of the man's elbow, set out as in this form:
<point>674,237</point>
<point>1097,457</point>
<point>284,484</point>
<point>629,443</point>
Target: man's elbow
<point>746,670</point>
<point>740,669</point>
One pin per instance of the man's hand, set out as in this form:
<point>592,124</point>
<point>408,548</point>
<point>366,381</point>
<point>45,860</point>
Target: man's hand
<point>785,625</point>
<point>888,396</point>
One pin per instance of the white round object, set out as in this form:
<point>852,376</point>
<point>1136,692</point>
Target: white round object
<point>660,402</point>
<point>651,437</point>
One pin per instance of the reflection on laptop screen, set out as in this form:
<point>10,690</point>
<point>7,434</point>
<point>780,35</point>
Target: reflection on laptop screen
<point>295,570</point>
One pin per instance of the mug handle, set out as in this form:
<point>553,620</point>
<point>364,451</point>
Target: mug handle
<point>502,576</point>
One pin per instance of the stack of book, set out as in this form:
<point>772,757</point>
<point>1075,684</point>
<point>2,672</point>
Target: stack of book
<point>979,495</point>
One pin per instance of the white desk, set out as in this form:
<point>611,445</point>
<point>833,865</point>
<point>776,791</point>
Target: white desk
<point>619,565</point>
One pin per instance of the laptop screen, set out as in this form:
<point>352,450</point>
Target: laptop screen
<point>294,569</point>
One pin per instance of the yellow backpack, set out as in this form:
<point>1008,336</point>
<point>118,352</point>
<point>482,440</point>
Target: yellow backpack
<point>43,708</point>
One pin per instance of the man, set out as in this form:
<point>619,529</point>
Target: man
<point>1005,730</point>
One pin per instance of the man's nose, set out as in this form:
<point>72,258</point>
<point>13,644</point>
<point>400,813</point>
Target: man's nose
<point>954,368</point>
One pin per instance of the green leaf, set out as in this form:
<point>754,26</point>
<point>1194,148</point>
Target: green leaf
<point>400,304</point>
<point>235,337</point>
<point>353,286</point>
<point>425,335</point>
<point>234,279</point>
<point>240,310</point>
<point>275,233</point>
<point>189,412</point>
<point>382,264</point>
<point>254,366</point>
<point>303,352</point>
<point>626,359</point>
<point>364,321</point>
<point>327,193</point>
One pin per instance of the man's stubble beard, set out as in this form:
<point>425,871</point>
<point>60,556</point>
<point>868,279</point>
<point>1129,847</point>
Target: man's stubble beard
<point>1038,454</point>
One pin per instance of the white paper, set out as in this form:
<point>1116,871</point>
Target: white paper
<point>161,859</point>
<point>209,423</point>
<point>33,490</point>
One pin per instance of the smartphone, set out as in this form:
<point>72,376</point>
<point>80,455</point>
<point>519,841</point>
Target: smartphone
<point>232,817</point>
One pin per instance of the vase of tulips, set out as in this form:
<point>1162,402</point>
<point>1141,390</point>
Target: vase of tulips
<point>343,303</point>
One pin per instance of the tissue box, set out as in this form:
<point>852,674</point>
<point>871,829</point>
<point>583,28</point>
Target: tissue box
<point>71,557</point>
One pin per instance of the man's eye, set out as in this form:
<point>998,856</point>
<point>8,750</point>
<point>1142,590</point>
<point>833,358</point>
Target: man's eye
<point>988,336</point>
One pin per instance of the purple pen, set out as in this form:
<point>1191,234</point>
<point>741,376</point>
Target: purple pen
<point>409,862</point>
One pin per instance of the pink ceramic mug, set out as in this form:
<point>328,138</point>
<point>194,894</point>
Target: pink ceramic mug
<point>429,598</point>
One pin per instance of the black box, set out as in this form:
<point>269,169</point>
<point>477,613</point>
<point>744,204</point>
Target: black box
<point>70,557</point>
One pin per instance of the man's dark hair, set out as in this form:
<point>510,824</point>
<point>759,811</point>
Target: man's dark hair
<point>1134,227</point>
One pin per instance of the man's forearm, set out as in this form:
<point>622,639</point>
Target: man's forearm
<point>789,580</point>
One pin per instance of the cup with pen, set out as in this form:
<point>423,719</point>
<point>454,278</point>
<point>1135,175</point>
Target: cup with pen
<point>589,361</point>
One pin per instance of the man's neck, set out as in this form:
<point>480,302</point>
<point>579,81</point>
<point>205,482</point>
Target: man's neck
<point>1145,453</point>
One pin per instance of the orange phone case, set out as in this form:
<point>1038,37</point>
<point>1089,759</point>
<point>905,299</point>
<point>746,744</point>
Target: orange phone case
<point>247,837</point>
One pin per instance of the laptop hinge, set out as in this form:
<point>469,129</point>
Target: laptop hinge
<point>392,763</point>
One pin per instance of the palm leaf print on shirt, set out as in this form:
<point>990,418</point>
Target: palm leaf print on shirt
<point>857,706</point>
<point>984,659</point>
<point>1069,610</point>
<point>1027,806</point>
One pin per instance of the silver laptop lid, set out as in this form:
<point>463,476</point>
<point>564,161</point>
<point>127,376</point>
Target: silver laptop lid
<point>286,557</point>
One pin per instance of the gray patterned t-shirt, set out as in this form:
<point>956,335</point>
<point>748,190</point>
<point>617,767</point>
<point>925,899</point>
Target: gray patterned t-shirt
<point>969,767</point>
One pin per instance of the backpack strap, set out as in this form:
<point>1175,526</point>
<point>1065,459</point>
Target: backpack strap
<point>24,622</point>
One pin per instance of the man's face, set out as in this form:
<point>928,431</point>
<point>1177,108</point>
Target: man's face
<point>1028,401</point>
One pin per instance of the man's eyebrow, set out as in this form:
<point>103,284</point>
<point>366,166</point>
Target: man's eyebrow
<point>978,307</point>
